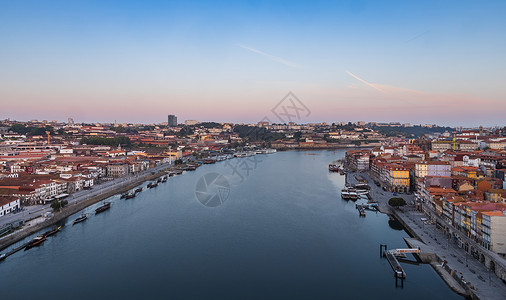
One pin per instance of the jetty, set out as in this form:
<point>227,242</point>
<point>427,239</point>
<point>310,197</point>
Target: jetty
<point>391,256</point>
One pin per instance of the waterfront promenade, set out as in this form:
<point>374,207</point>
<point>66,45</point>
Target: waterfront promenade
<point>486,284</point>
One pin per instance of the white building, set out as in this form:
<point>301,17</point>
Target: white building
<point>8,204</point>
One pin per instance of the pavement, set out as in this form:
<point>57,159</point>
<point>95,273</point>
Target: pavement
<point>486,284</point>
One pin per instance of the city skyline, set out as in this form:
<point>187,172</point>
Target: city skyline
<point>230,62</point>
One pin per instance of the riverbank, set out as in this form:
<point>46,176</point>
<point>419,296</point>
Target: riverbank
<point>327,147</point>
<point>381,197</point>
<point>445,257</point>
<point>80,205</point>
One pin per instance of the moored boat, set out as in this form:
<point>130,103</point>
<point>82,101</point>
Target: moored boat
<point>333,168</point>
<point>36,241</point>
<point>190,168</point>
<point>138,190</point>
<point>82,218</point>
<point>123,195</point>
<point>103,208</point>
<point>51,232</point>
<point>130,196</point>
<point>3,256</point>
<point>208,161</point>
<point>349,193</point>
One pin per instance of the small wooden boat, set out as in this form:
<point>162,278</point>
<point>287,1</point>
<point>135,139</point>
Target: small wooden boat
<point>51,232</point>
<point>36,241</point>
<point>82,218</point>
<point>103,208</point>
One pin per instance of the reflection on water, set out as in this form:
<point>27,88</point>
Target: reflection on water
<point>283,233</point>
<point>395,225</point>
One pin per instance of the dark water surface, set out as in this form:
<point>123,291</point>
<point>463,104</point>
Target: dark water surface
<point>283,233</point>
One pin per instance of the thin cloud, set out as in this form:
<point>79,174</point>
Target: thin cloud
<point>364,82</point>
<point>272,57</point>
<point>417,36</point>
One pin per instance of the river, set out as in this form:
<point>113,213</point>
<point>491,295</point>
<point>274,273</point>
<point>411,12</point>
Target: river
<point>282,232</point>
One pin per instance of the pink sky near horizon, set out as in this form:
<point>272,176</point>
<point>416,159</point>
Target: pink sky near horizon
<point>327,104</point>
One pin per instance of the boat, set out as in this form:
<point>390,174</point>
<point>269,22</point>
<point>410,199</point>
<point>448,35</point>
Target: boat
<point>333,168</point>
<point>130,196</point>
<point>341,172</point>
<point>103,208</point>
<point>123,195</point>
<point>138,190</point>
<point>51,232</point>
<point>164,179</point>
<point>349,193</point>
<point>36,241</point>
<point>171,174</point>
<point>3,256</point>
<point>190,168</point>
<point>209,161</point>
<point>82,218</point>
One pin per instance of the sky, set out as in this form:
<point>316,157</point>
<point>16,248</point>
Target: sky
<point>415,62</point>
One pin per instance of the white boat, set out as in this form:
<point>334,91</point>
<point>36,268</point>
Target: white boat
<point>348,193</point>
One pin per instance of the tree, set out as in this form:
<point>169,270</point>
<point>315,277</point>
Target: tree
<point>297,135</point>
<point>396,202</point>
<point>56,205</point>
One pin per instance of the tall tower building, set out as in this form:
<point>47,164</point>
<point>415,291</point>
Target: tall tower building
<point>172,121</point>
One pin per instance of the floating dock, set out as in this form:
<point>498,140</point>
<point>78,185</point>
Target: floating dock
<point>391,256</point>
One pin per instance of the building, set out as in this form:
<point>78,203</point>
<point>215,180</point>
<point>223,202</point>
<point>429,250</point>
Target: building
<point>172,121</point>
<point>116,170</point>
<point>8,204</point>
<point>397,178</point>
<point>493,233</point>
<point>433,168</point>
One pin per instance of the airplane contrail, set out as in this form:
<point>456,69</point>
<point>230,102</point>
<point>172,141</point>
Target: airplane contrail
<point>272,57</point>
<point>364,82</point>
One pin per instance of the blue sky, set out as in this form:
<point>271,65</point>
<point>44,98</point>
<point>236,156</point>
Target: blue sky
<point>417,61</point>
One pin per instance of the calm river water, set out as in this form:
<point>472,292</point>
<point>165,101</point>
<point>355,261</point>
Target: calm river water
<point>282,233</point>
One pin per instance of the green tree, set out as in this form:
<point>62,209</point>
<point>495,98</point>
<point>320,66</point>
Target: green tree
<point>57,205</point>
